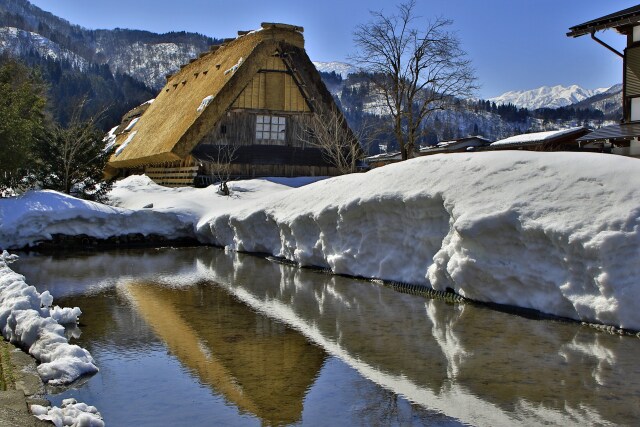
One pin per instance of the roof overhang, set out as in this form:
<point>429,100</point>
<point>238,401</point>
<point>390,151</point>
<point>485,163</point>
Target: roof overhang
<point>614,133</point>
<point>618,19</point>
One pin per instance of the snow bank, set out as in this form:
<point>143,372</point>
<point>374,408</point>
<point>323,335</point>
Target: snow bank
<point>555,232</point>
<point>72,413</point>
<point>37,215</point>
<point>27,320</point>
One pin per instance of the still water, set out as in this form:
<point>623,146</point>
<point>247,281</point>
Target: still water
<point>199,337</point>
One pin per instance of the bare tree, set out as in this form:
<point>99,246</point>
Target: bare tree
<point>417,68</point>
<point>328,130</point>
<point>220,164</point>
<point>72,159</point>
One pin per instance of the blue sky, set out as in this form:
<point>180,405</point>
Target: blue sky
<point>513,44</point>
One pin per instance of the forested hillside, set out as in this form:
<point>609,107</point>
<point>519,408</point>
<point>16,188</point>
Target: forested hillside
<point>107,71</point>
<point>364,108</point>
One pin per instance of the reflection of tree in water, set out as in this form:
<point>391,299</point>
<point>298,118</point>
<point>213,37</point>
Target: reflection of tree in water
<point>384,407</point>
<point>380,405</point>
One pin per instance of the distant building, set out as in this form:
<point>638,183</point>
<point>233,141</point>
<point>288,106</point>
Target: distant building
<point>382,159</point>
<point>621,138</point>
<point>246,102</point>
<point>470,143</point>
<point>555,140</point>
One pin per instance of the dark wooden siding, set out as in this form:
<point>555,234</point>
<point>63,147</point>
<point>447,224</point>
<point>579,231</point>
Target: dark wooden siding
<point>265,155</point>
<point>238,128</point>
<point>632,72</point>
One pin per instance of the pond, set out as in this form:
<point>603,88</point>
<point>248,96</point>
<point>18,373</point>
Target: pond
<point>199,336</point>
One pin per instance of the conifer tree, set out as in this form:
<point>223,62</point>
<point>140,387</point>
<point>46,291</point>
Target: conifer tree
<point>22,105</point>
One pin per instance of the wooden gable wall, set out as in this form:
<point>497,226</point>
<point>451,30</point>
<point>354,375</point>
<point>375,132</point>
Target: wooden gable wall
<point>273,88</point>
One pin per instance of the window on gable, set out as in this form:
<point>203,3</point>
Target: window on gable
<point>270,128</point>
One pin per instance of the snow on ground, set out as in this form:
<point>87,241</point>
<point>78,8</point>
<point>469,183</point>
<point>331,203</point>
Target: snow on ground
<point>37,215</point>
<point>72,413</point>
<point>28,321</point>
<point>138,191</point>
<point>556,232</point>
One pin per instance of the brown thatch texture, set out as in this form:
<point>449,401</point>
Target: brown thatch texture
<point>172,125</point>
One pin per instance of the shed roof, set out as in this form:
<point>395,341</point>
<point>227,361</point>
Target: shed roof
<point>614,20</point>
<point>613,133</point>
<point>382,157</point>
<point>540,137</point>
<point>178,118</point>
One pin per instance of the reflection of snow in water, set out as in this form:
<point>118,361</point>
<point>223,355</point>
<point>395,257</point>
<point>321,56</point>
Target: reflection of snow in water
<point>454,402</point>
<point>444,333</point>
<point>594,350</point>
<point>451,358</point>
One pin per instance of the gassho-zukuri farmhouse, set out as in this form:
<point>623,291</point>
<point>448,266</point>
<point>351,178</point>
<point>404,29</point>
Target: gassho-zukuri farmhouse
<point>244,103</point>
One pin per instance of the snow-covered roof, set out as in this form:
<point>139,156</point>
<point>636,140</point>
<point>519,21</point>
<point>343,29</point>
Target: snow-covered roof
<point>537,137</point>
<point>460,142</point>
<point>383,156</point>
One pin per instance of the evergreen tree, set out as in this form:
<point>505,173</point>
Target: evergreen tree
<point>22,105</point>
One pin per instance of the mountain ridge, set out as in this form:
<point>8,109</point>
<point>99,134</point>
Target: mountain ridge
<point>547,96</point>
<point>132,52</point>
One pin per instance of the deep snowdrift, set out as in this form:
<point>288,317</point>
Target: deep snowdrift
<point>28,320</point>
<point>37,215</point>
<point>556,232</point>
<point>72,413</point>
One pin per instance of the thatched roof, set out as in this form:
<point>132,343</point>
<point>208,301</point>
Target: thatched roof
<point>178,118</point>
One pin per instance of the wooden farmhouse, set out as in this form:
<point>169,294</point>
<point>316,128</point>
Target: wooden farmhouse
<point>622,138</point>
<point>246,103</point>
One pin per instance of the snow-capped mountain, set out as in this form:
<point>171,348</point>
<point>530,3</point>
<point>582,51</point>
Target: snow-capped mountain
<point>547,96</point>
<point>18,42</point>
<point>609,101</point>
<point>145,56</point>
<point>341,68</point>
<point>150,62</point>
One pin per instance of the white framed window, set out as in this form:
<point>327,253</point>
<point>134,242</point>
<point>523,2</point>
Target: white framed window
<point>636,33</point>
<point>635,109</point>
<point>270,128</point>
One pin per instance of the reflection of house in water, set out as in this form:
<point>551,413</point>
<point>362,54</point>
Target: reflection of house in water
<point>256,363</point>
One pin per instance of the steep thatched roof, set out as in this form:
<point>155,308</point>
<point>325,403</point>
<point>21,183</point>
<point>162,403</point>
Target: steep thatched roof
<point>178,118</point>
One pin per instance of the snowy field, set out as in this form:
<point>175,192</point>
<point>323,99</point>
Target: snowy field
<point>555,232</point>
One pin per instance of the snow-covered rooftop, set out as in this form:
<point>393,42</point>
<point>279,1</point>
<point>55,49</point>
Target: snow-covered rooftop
<point>383,156</point>
<point>530,138</point>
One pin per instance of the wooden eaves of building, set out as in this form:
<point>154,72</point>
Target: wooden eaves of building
<point>621,138</point>
<point>255,93</point>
